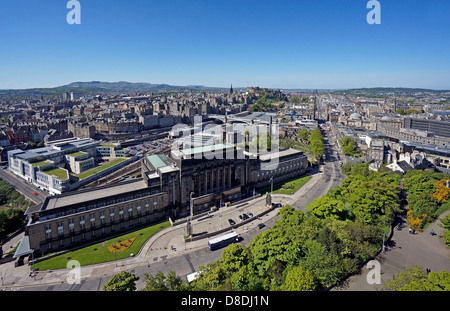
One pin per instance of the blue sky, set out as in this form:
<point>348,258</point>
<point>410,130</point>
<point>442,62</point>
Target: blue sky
<point>279,44</point>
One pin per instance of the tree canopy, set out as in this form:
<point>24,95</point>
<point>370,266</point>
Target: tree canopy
<point>122,282</point>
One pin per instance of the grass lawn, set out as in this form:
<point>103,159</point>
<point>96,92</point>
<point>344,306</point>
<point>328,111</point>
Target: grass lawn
<point>288,187</point>
<point>99,252</point>
<point>76,154</point>
<point>40,163</point>
<point>100,168</point>
<point>58,172</point>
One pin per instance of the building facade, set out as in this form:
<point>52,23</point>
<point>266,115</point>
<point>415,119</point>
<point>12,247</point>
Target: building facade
<point>439,128</point>
<point>46,167</point>
<point>204,176</point>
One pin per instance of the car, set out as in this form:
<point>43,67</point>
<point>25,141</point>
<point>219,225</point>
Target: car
<point>260,226</point>
<point>245,216</point>
<point>35,193</point>
<point>240,218</point>
<point>249,214</point>
<point>231,222</point>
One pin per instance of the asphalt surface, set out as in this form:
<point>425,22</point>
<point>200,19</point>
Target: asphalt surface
<point>27,189</point>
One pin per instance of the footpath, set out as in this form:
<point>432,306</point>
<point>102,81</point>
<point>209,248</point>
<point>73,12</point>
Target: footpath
<point>420,248</point>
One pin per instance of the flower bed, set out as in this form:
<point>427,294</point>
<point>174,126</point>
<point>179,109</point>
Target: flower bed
<point>120,246</point>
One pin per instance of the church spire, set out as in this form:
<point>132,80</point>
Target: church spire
<point>231,89</point>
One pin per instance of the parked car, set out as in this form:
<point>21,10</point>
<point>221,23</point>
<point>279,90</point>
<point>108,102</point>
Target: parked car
<point>231,222</point>
<point>260,226</point>
<point>249,214</point>
<point>245,216</point>
<point>240,218</point>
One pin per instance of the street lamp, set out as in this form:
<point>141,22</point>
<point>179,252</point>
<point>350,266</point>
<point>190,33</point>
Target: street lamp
<point>191,212</point>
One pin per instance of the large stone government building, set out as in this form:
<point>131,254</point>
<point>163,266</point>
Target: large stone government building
<point>165,190</point>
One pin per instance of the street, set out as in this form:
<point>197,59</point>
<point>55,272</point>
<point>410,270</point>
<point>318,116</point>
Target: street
<point>27,189</point>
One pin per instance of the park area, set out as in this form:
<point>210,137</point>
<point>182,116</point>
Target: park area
<point>113,249</point>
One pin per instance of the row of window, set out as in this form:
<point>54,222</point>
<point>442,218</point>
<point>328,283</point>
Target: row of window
<point>105,202</point>
<point>279,169</point>
<point>111,215</point>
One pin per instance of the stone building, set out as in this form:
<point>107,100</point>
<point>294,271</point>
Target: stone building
<point>209,175</point>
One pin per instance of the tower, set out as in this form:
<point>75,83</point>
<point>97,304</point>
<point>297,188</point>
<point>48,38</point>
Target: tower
<point>315,105</point>
<point>231,89</point>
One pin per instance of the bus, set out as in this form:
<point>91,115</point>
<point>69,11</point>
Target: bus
<point>223,240</point>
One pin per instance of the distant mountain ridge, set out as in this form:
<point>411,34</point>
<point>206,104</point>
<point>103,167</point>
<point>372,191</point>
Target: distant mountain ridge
<point>104,87</point>
<point>396,90</point>
<point>123,86</point>
<point>98,87</point>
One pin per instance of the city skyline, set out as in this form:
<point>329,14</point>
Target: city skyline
<point>295,45</point>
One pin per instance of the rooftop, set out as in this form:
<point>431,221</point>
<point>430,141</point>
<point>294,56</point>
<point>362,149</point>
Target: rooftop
<point>58,173</point>
<point>279,154</point>
<point>158,160</point>
<point>76,154</point>
<point>205,149</point>
<point>89,195</point>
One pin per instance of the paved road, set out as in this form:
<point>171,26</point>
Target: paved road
<point>23,187</point>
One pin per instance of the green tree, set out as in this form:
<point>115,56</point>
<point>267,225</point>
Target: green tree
<point>416,279</point>
<point>316,143</point>
<point>303,135</point>
<point>348,145</point>
<point>121,282</point>
<point>294,100</point>
<point>160,282</point>
<point>233,258</point>
<point>211,277</point>
<point>246,279</point>
<point>446,225</point>
<point>326,207</point>
<point>321,263</point>
<point>299,279</point>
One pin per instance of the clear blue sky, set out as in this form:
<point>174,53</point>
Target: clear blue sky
<point>283,44</point>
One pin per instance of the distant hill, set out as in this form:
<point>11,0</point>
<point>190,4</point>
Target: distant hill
<point>384,90</point>
<point>104,87</point>
<point>123,86</point>
<point>99,87</point>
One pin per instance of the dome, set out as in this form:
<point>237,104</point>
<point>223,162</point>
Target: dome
<point>386,119</point>
<point>355,115</point>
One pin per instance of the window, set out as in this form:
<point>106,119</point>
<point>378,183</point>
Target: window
<point>82,223</point>
<point>121,213</point>
<point>48,231</point>
<point>60,228</point>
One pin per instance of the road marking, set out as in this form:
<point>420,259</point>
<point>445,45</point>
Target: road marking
<point>386,264</point>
